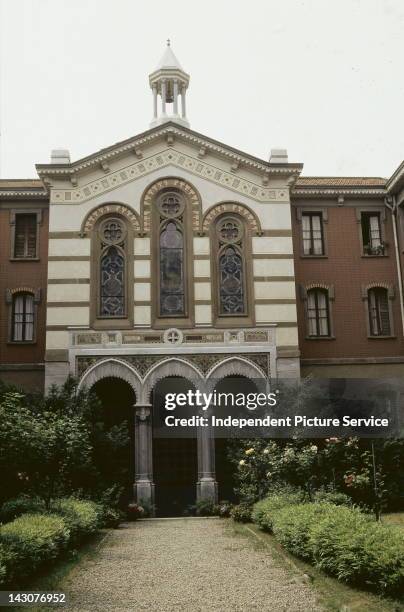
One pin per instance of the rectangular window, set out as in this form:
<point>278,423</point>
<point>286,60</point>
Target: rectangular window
<point>371,234</point>
<point>313,239</point>
<point>25,240</point>
<point>379,316</point>
<point>23,318</point>
<point>318,313</point>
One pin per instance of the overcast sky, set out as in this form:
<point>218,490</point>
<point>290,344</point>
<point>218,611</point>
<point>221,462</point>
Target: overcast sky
<point>323,78</point>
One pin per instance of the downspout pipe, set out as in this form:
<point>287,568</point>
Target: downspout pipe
<point>391,204</point>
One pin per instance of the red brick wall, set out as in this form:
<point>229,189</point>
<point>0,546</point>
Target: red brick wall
<point>347,270</point>
<point>15,274</point>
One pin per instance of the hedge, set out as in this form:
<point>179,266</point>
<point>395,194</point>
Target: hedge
<point>342,541</point>
<point>263,511</point>
<point>82,518</point>
<point>34,539</point>
<point>14,508</point>
<point>30,540</point>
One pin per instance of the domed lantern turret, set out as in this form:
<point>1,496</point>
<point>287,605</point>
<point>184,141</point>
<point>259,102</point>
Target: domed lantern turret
<point>169,82</point>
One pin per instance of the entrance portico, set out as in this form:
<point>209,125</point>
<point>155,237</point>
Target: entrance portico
<point>145,366</point>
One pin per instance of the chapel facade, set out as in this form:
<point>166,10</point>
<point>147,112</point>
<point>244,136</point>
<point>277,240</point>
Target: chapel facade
<point>174,255</point>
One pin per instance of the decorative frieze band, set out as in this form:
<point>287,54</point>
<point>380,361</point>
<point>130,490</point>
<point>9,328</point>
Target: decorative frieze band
<point>169,157</point>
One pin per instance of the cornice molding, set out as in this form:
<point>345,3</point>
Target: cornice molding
<point>169,157</point>
<point>396,178</point>
<point>24,194</point>
<point>200,141</point>
<point>333,193</point>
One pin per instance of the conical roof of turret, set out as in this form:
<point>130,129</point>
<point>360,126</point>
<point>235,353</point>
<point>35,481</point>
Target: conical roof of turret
<point>169,60</point>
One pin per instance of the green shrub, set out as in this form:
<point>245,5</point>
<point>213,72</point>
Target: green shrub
<point>4,559</point>
<point>14,508</point>
<point>241,513</point>
<point>292,524</point>
<point>357,549</point>
<point>332,497</point>
<point>264,510</point>
<point>82,517</point>
<point>31,540</point>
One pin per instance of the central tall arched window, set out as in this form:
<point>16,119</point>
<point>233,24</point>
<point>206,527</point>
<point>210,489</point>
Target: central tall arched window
<point>172,270</point>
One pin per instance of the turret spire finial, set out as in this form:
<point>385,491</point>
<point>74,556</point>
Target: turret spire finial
<point>170,82</point>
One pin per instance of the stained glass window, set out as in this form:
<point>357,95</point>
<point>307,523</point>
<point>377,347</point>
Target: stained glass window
<point>172,283</point>
<point>112,283</point>
<point>231,275</point>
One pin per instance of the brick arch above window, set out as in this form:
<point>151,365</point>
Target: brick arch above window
<point>378,285</point>
<point>109,208</point>
<point>187,190</point>
<point>11,292</point>
<point>317,285</point>
<point>236,208</point>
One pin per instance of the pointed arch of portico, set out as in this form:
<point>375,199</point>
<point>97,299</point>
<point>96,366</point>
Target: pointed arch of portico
<point>235,366</point>
<point>170,367</point>
<point>112,368</point>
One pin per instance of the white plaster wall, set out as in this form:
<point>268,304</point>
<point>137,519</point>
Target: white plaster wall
<point>274,290</point>
<point>269,245</point>
<point>287,336</point>
<point>79,315</point>
<point>142,291</point>
<point>273,267</point>
<point>57,339</point>
<point>142,246</point>
<point>69,246</point>
<point>202,268</point>
<point>142,315</point>
<point>203,314</point>
<point>272,313</point>
<point>68,269</point>
<point>142,268</point>
<point>69,293</point>
<point>202,291</point>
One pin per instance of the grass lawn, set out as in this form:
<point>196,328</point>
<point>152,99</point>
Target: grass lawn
<point>395,518</point>
<point>332,595</point>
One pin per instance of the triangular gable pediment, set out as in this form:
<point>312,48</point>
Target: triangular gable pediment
<point>159,147</point>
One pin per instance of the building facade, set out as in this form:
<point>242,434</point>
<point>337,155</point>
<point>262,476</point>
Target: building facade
<point>173,255</point>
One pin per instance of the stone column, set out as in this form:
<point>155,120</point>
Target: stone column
<point>175,97</point>
<point>183,108</point>
<point>143,486</point>
<point>163,96</point>
<point>154,101</point>
<point>206,487</point>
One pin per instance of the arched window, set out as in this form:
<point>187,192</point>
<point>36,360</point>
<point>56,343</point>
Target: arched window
<point>23,317</point>
<point>318,313</point>
<point>231,267</point>
<point>112,290</point>
<point>379,312</point>
<point>172,277</point>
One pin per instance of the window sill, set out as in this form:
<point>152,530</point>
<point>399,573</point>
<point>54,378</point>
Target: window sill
<point>24,259</point>
<point>373,256</point>
<point>320,338</point>
<point>20,342</point>
<point>381,337</point>
<point>112,324</point>
<point>302,256</point>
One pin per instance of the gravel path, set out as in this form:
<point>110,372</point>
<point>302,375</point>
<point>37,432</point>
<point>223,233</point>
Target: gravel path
<point>186,565</point>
